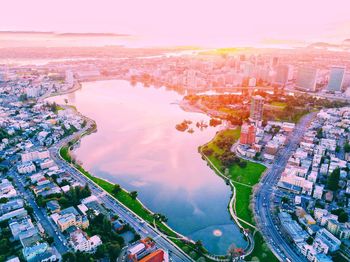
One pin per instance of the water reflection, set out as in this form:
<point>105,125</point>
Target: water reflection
<point>138,147</point>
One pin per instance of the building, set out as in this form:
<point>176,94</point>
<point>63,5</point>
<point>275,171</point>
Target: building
<point>156,256</point>
<point>20,225</point>
<point>70,217</point>
<point>79,241</point>
<point>336,78</point>
<point>318,191</point>
<point>16,213</point>
<point>325,241</point>
<point>282,74</point>
<point>34,155</point>
<point>247,134</point>
<point>292,228</point>
<point>306,79</point>
<point>25,168</point>
<point>140,250</point>
<point>33,91</point>
<point>32,251</point>
<point>333,226</point>
<point>256,108</point>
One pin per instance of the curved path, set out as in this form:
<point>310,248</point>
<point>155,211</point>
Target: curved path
<point>232,206</point>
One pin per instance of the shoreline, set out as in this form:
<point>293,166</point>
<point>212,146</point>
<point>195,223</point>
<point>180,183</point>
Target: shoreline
<point>163,229</point>
<point>232,202</point>
<point>253,237</point>
<point>103,183</point>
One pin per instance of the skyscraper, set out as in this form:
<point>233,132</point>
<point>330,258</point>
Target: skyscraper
<point>274,61</point>
<point>306,78</point>
<point>336,78</point>
<point>256,108</point>
<point>283,74</point>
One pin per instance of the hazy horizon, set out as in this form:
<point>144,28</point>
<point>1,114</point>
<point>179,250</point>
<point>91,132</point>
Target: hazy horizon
<point>211,24</point>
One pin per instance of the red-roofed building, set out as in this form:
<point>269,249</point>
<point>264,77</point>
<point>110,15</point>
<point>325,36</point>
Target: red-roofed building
<point>157,256</point>
<point>247,134</point>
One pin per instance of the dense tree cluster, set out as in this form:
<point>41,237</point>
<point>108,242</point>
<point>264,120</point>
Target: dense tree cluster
<point>228,159</point>
<point>215,122</point>
<point>3,134</point>
<point>347,147</point>
<point>71,198</point>
<point>343,216</point>
<point>52,106</point>
<point>333,180</point>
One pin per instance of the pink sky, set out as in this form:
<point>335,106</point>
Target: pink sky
<point>186,22</point>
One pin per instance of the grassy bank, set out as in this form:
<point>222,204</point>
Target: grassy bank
<point>248,175</point>
<point>261,251</point>
<point>244,177</point>
<point>136,206</point>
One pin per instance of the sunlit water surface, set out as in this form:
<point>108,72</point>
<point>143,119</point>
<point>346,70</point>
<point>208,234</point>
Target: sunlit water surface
<point>138,147</point>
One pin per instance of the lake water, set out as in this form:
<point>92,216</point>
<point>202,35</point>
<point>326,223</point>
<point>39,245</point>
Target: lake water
<point>137,146</point>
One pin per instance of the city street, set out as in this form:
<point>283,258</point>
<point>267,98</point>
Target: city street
<point>41,216</point>
<point>264,197</point>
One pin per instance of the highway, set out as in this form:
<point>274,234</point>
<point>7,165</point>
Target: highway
<point>263,209</point>
<point>141,227</point>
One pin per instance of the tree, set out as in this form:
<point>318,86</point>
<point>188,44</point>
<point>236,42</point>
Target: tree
<point>199,246</point>
<point>319,134</point>
<point>285,200</point>
<point>343,217</point>
<point>23,97</point>
<point>347,147</point>
<point>50,240</point>
<point>133,194</point>
<point>242,164</point>
<point>113,250</point>
<point>3,200</point>
<point>69,257</point>
<point>101,251</point>
<point>116,189</point>
<point>160,217</point>
<point>29,209</point>
<point>310,240</point>
<point>333,180</point>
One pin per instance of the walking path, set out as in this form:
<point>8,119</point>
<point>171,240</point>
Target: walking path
<point>232,208</point>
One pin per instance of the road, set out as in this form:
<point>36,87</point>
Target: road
<point>40,214</point>
<point>264,197</point>
<point>141,227</point>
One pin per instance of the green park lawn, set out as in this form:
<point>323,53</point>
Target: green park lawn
<point>250,176</point>
<point>261,251</point>
<point>279,104</point>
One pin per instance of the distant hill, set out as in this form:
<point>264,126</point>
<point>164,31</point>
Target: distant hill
<point>322,45</point>
<point>62,34</point>
<point>92,34</point>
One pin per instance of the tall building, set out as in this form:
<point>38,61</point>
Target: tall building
<point>306,78</point>
<point>247,134</point>
<point>256,108</point>
<point>282,74</point>
<point>274,61</point>
<point>336,78</point>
